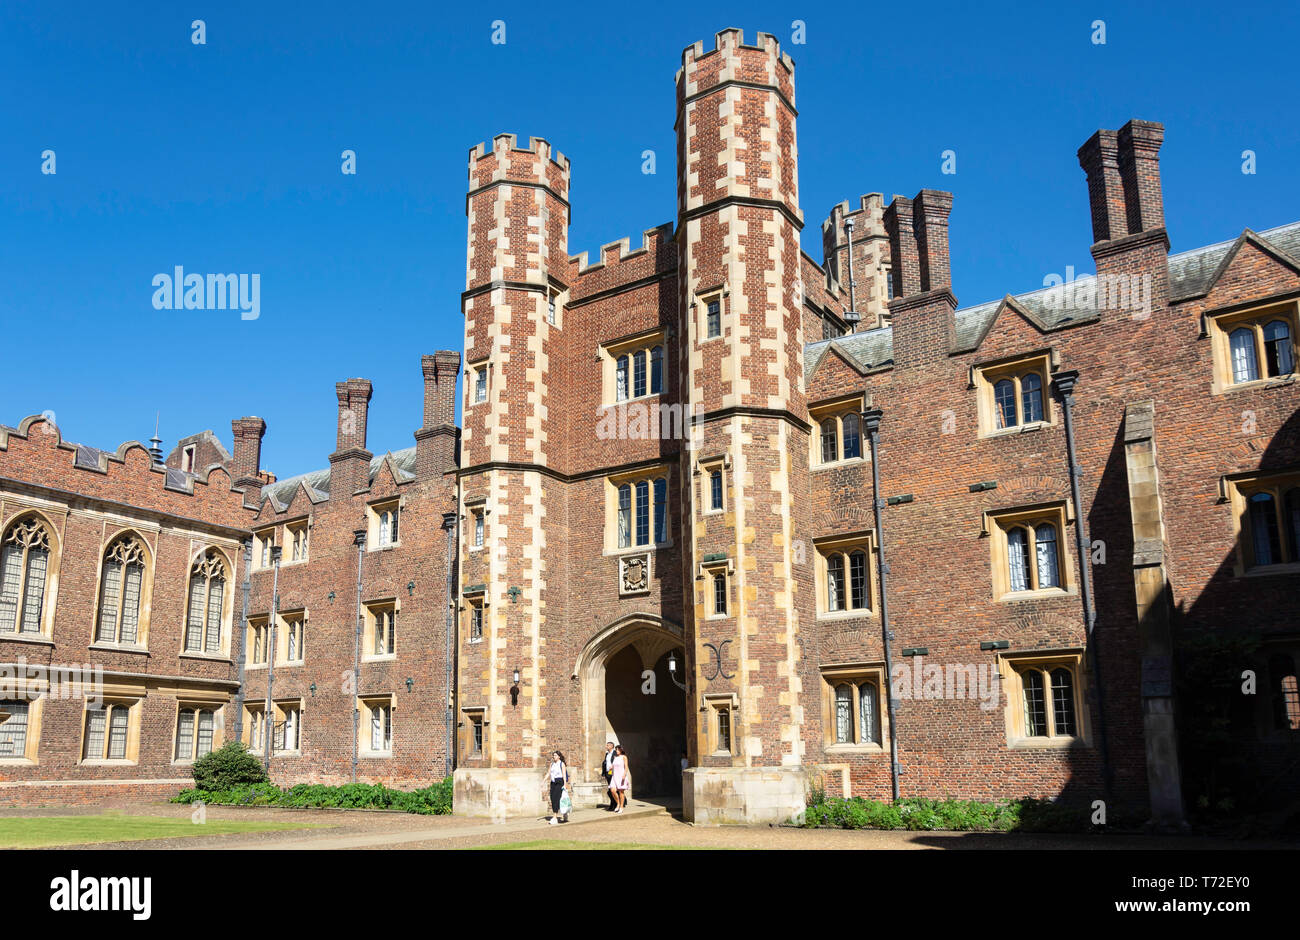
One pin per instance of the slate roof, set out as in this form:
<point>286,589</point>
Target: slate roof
<point>318,481</point>
<point>1190,275</point>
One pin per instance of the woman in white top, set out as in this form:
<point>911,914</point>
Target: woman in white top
<point>558,777</point>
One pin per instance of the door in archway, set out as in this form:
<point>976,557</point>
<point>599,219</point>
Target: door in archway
<point>648,717</point>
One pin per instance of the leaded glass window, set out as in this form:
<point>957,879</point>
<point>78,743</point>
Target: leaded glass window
<point>852,436</point>
<point>121,580</point>
<point>1035,705</point>
<point>830,441</point>
<point>869,713</point>
<point>1031,398</point>
<point>24,563</point>
<point>1241,344</point>
<point>1264,529</point>
<point>857,579</point>
<point>204,623</point>
<point>642,512</point>
<point>638,373</point>
<point>1018,559</point>
<point>835,582</point>
<point>1004,400</point>
<point>661,510</point>
<point>844,714</point>
<point>1063,702</point>
<point>625,515</point>
<point>1049,572</point>
<point>13,731</point>
<point>1279,353</point>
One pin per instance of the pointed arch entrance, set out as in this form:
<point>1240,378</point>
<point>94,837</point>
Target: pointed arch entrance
<point>629,697</point>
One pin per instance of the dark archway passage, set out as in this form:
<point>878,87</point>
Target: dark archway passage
<point>648,718</point>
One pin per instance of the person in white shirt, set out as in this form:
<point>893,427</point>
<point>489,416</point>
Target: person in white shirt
<point>557,776</point>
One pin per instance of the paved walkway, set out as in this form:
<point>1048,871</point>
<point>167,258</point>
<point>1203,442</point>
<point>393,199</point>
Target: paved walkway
<point>476,831</point>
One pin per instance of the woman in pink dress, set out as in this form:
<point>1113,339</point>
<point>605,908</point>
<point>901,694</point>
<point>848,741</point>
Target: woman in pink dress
<point>621,781</point>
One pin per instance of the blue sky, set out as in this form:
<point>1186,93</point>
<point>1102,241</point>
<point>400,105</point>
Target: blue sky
<point>225,158</point>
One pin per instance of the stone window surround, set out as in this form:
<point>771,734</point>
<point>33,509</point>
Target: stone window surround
<point>1010,666</point>
<point>855,674</point>
<point>705,467</point>
<point>369,611</point>
<point>608,354</point>
<point>984,376</point>
<point>196,703</point>
<point>837,409</point>
<point>844,545</point>
<point>1234,489</point>
<point>1217,325</point>
<point>996,524</point>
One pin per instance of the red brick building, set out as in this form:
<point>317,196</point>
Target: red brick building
<point>657,521</point>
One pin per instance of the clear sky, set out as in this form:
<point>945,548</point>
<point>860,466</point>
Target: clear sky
<point>225,158</point>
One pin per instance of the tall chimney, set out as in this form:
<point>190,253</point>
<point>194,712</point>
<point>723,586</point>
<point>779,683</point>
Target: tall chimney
<point>932,209</point>
<point>436,440</point>
<point>1099,157</point>
<point>906,264</point>
<point>246,463</point>
<point>350,462</point>
<point>1139,168</point>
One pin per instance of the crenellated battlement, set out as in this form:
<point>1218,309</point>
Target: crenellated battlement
<point>538,162</point>
<point>616,252</point>
<point>731,43</point>
<point>868,219</point>
<point>27,454</point>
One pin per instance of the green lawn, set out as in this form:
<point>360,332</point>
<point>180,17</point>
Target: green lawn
<point>570,844</point>
<point>26,832</point>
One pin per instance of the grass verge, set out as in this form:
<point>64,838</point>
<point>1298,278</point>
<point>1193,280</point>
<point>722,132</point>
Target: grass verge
<point>32,832</point>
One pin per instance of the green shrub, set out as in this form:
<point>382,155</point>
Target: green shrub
<point>433,800</point>
<point>226,767</point>
<point>923,814</point>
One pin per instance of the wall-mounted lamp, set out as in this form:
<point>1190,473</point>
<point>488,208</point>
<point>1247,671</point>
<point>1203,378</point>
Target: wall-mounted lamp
<point>410,683</point>
<point>672,671</point>
<point>514,689</point>
<point>312,688</point>
<point>331,596</point>
<point>410,588</point>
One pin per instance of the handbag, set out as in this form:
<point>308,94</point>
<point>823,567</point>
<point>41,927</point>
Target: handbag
<point>566,803</point>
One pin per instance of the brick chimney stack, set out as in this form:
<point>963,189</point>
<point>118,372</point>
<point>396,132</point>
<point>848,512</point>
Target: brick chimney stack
<point>923,304</point>
<point>1128,215</point>
<point>1099,157</point>
<point>436,441</point>
<point>246,463</point>
<point>350,462</point>
<point>1139,168</point>
<point>906,270</point>
<point>932,208</point>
